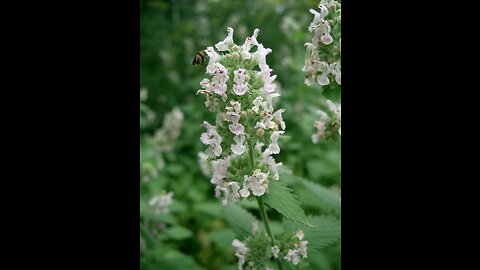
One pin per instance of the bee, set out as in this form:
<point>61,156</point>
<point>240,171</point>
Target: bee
<point>200,58</point>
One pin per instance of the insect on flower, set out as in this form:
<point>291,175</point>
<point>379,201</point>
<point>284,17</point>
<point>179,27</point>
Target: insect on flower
<point>199,58</point>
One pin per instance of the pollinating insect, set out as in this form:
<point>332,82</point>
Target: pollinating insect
<point>199,58</point>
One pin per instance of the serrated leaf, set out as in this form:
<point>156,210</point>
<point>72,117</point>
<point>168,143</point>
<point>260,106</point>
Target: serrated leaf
<point>240,220</point>
<point>328,197</point>
<point>325,231</point>
<point>281,198</point>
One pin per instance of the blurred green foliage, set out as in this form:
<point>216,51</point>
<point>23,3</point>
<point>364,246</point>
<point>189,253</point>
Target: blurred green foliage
<point>195,234</point>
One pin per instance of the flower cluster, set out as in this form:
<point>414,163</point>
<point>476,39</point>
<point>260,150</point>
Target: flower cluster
<point>245,135</point>
<point>170,131</point>
<point>322,59</point>
<point>253,252</point>
<point>328,125</point>
<point>257,249</point>
<point>161,202</point>
<point>298,248</point>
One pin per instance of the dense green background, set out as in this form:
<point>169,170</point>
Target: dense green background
<point>196,234</point>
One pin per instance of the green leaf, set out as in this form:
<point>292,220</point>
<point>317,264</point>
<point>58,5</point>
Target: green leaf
<point>213,209</point>
<point>167,258</point>
<point>280,198</point>
<point>327,197</point>
<point>240,220</point>
<point>222,238</point>
<point>325,231</point>
<point>178,233</point>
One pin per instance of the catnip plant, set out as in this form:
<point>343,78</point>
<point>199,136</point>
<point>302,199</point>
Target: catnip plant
<point>240,148</point>
<point>323,64</point>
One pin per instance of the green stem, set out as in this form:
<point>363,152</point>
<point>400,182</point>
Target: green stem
<point>261,207</point>
<point>264,216</point>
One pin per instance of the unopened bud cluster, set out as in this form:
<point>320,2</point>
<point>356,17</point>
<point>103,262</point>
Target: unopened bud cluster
<point>322,59</point>
<point>247,128</point>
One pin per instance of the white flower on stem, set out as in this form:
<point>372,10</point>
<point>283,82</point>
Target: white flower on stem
<point>219,170</point>
<point>320,125</point>
<point>223,45</point>
<point>299,234</point>
<point>257,102</point>
<point>239,76</point>
<point>323,10</point>
<point>161,202</point>
<point>249,42</point>
<point>272,166</point>
<point>260,56</point>
<point>235,188</point>
<point>214,57</point>
<point>236,128</point>
<point>335,68</point>
<point>244,192</point>
<point>302,250</point>
<point>240,251</point>
<point>236,107</point>
<point>275,251</point>
<point>326,37</point>
<point>324,68</point>
<point>257,183</point>
<point>240,89</point>
<point>273,148</point>
<point>278,116</point>
<point>292,256</point>
<point>219,190</point>
<point>238,148</point>
<point>212,139</point>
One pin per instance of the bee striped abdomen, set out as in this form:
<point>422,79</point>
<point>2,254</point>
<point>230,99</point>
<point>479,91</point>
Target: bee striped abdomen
<point>199,58</point>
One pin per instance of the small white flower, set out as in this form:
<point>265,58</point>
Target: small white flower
<point>257,183</point>
<point>161,202</point>
<point>239,76</point>
<point>292,255</point>
<point>241,251</point>
<point>240,89</point>
<point>273,166</point>
<point>260,56</point>
<point>212,139</point>
<point>219,169</point>
<point>223,45</point>
<point>273,148</point>
<point>238,148</point>
<point>235,188</point>
<point>299,234</point>
<point>249,42</point>
<point>257,102</point>
<point>302,250</point>
<point>326,37</point>
<point>214,57</point>
<point>275,251</point>
<point>278,116</point>
<point>335,68</point>
<point>237,128</point>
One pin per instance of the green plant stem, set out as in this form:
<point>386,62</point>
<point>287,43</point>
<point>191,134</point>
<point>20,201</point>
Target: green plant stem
<point>264,216</point>
<point>261,207</point>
